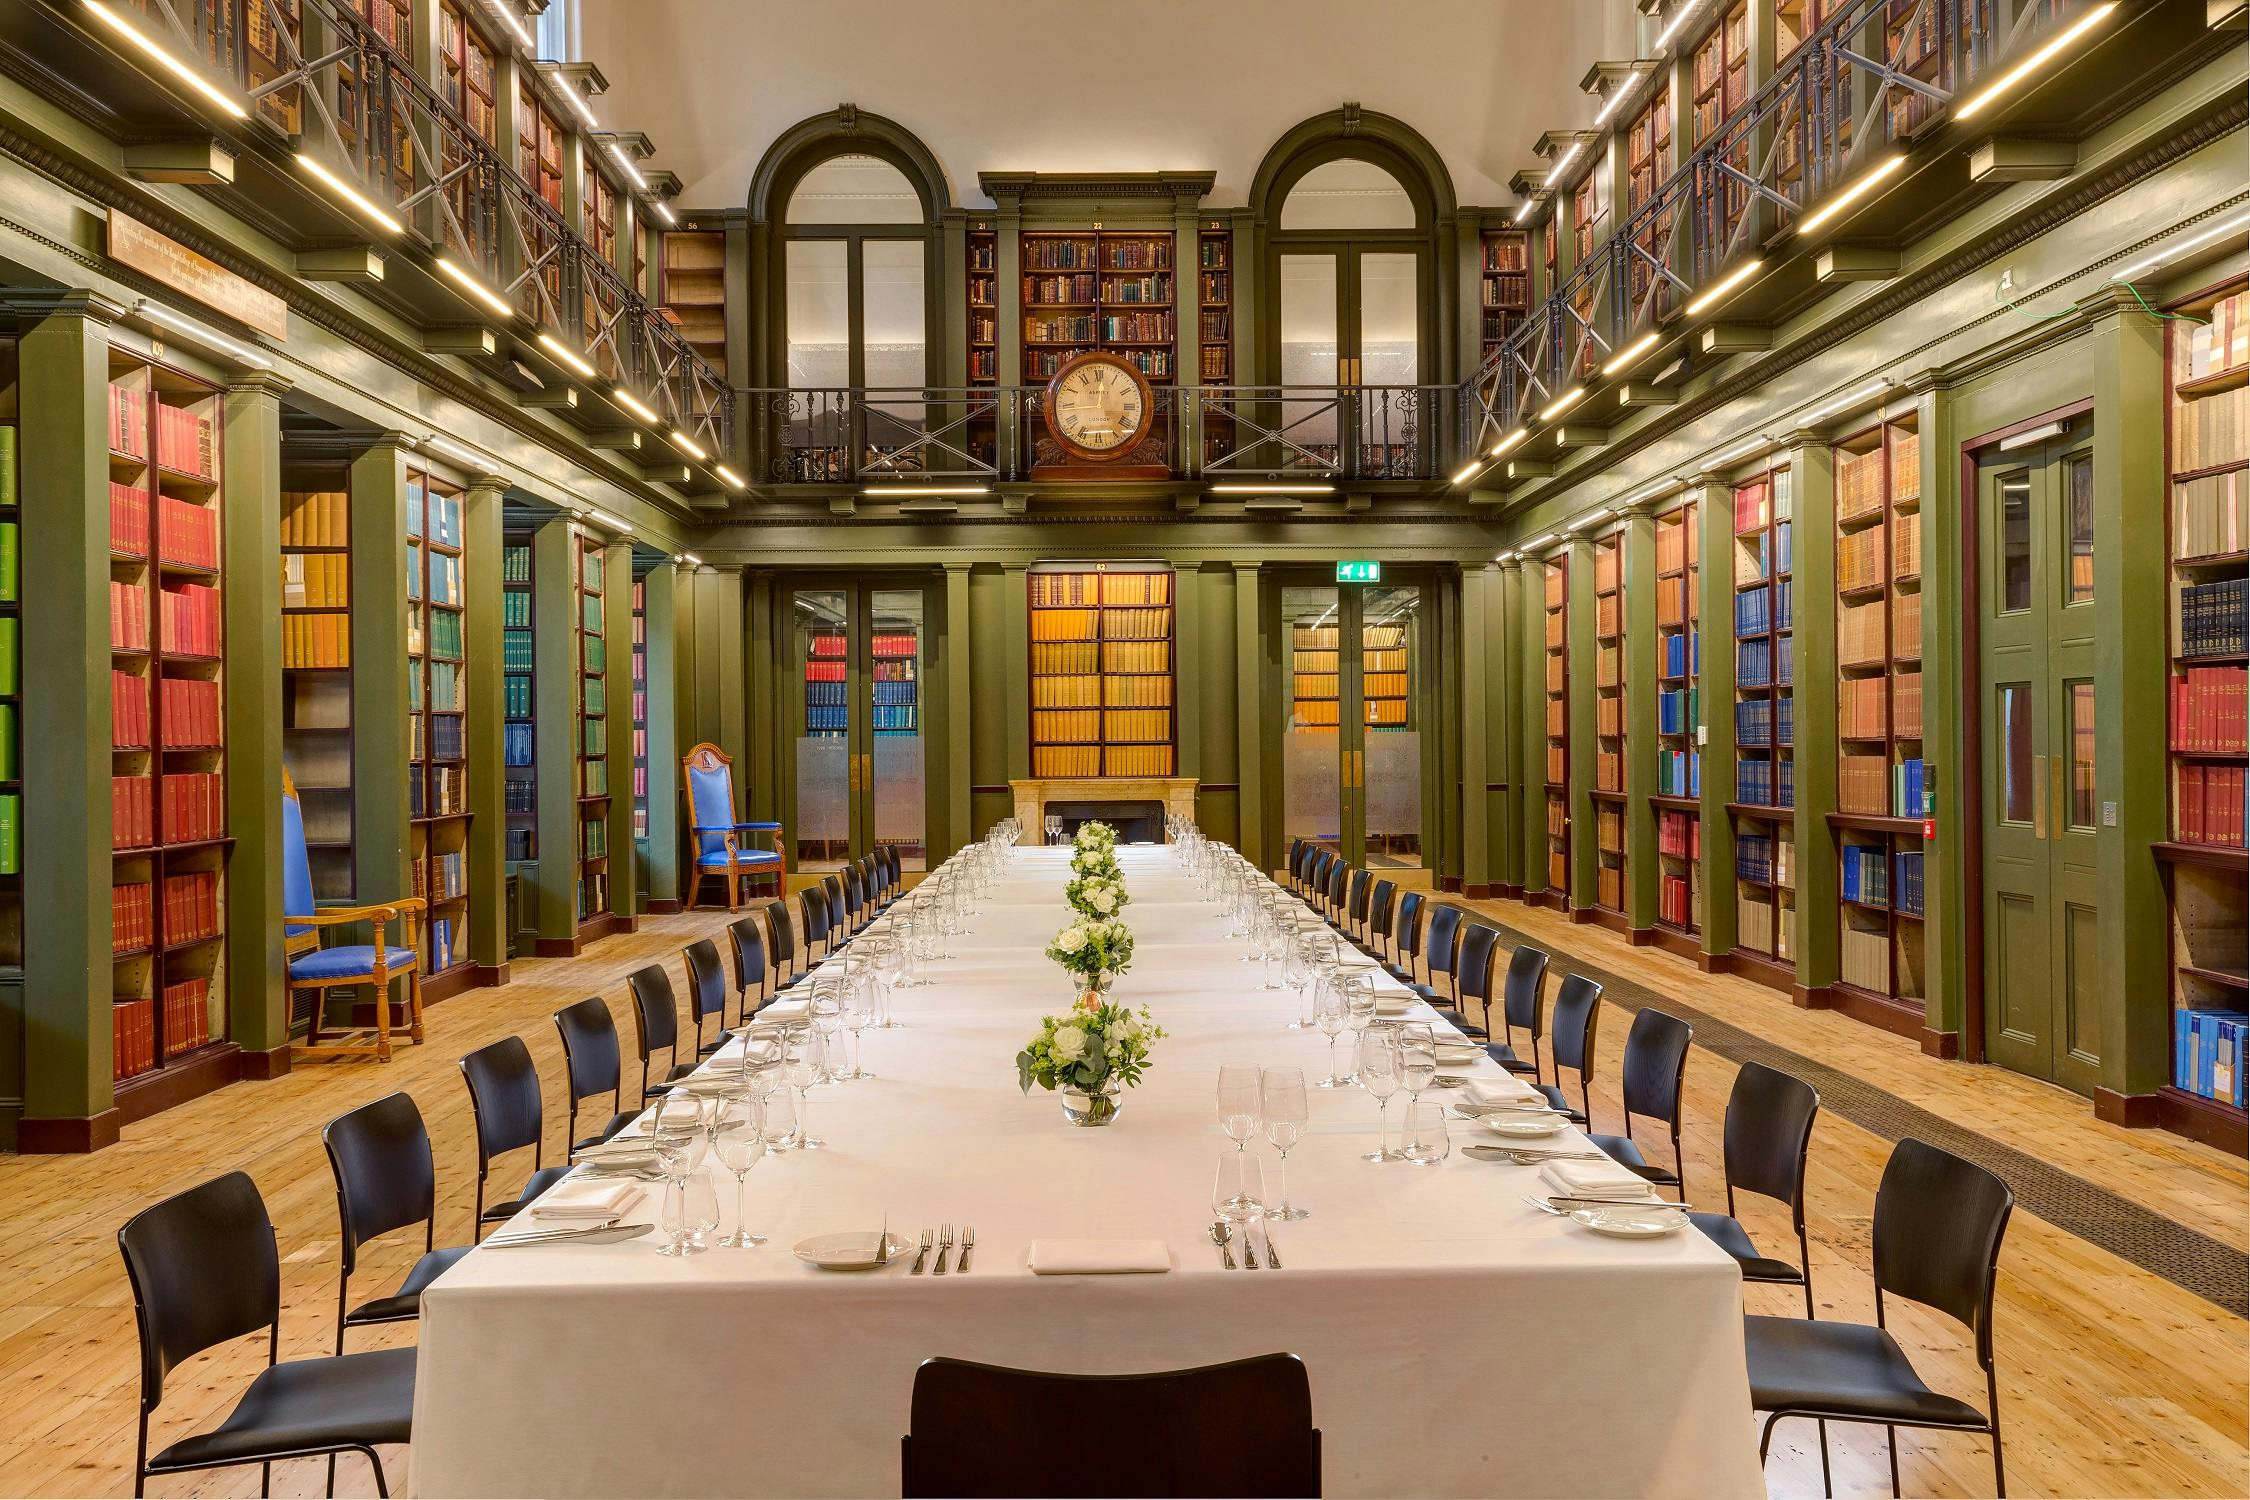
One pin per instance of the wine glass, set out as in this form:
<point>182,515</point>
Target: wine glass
<point>889,958</point>
<point>1297,972</point>
<point>1359,1006</point>
<point>777,1121</point>
<point>827,1012</point>
<point>1428,1142</point>
<point>1238,1103</point>
<point>1281,1100</point>
<point>857,1001</point>
<point>738,1138</point>
<point>1417,1059</point>
<point>1330,1014</point>
<point>1378,1074</point>
<point>805,1055</point>
<point>1238,1188</point>
<point>678,1139</point>
<point>699,1211</point>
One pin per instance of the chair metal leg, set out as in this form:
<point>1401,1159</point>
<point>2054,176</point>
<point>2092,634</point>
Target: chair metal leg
<point>1765,1436</point>
<point>1992,1397</point>
<point>331,1477</point>
<point>375,1462</point>
<point>1827,1484</point>
<point>1890,1435</point>
<point>265,1480</point>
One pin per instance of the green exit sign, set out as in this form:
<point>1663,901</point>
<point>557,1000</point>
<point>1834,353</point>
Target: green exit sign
<point>1359,572</point>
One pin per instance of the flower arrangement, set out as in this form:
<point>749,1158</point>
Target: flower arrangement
<point>1093,951</point>
<point>1097,1049</point>
<point>1093,856</point>
<point>1096,835</point>
<point>1097,896</point>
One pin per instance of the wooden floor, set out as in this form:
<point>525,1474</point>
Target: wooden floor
<point>2114,1382</point>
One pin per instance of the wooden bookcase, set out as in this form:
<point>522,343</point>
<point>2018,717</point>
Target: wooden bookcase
<point>437,722</point>
<point>1503,287</point>
<point>983,293</point>
<point>694,290</point>
<point>1679,717</point>
<point>1104,289</point>
<point>1386,676</point>
<point>316,666</point>
<point>1883,793</point>
<point>1764,724</point>
<point>640,709</point>
<point>11,676</point>
<point>519,700</point>
<point>1610,711</point>
<point>1316,683</point>
<point>593,732</point>
<point>1214,290</point>
<point>897,686</point>
<point>1722,70</point>
<point>2207,873</point>
<point>1316,677</point>
<point>1555,580</point>
<point>168,725</point>
<point>1102,670</point>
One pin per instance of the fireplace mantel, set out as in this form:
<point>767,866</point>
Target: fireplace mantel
<point>1176,793</point>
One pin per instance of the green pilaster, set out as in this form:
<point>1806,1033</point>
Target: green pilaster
<point>1714,625</point>
<point>763,644</point>
<point>1639,577</point>
<point>1578,631</point>
<point>958,649</point>
<point>659,621</point>
<point>1187,670</point>
<point>1504,616</point>
<point>1443,785</point>
<point>953,271</point>
<point>617,731</point>
<point>257,1002</point>
<point>1812,463</point>
<point>554,563</point>
<point>381,817</point>
<point>1947,879</point>
<point>1015,602</point>
<point>1531,722</point>
<point>1218,812</point>
<point>1482,685</point>
<point>63,480</point>
<point>1249,691</point>
<point>732,666</point>
<point>2132,604</point>
<point>482,544</point>
<point>1007,348</point>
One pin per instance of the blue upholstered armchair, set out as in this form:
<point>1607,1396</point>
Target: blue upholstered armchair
<point>315,967</point>
<point>718,839</point>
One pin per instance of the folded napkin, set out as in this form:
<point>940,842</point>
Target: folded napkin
<point>1595,1179</point>
<point>782,1010</point>
<point>1395,1005</point>
<point>580,1198</point>
<point>1099,1257</point>
<point>1497,1091</point>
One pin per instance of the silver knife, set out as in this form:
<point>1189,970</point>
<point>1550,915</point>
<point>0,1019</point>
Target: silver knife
<point>1273,1261</point>
<point>1250,1245</point>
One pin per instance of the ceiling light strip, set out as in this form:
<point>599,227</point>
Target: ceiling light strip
<point>1724,286</point>
<point>170,61</point>
<point>1859,188</point>
<point>2016,75</point>
<point>367,208</point>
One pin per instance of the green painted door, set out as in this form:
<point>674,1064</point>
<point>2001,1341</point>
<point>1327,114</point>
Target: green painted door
<point>861,720</point>
<point>1354,708</point>
<point>2036,627</point>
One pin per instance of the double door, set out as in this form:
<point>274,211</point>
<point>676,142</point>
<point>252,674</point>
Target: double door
<point>1350,317</point>
<point>2037,712</point>
<point>859,705</point>
<point>1351,734</point>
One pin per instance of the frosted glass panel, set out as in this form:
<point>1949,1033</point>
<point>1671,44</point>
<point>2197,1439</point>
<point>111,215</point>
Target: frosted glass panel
<point>891,292</point>
<point>1309,331</point>
<point>1389,313</point>
<point>855,189</point>
<point>1347,194</point>
<point>896,672</point>
<point>1312,673</point>
<point>819,303</point>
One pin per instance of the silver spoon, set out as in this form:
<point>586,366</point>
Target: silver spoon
<point>1221,1238</point>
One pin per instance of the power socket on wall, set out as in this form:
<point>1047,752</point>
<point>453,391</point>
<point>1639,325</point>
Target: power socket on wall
<point>2007,281</point>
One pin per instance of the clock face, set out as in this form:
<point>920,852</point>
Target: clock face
<point>1099,406</point>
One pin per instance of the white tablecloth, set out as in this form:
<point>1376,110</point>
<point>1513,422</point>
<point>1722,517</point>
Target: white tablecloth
<point>1458,1342</point>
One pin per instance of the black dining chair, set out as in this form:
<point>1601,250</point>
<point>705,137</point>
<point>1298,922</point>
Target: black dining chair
<point>1520,1006</point>
<point>1339,880</point>
<point>1293,869</point>
<point>1355,905</point>
<point>839,921</point>
<point>888,870</point>
<point>592,1067</point>
<point>1439,936</point>
<point>1939,1220</point>
<point>1578,1014</point>
<point>813,912</point>
<point>1406,938</point>
<point>1243,1428</point>
<point>386,1179</point>
<point>1656,1053</point>
<point>1382,897</point>
<point>781,944</point>
<point>854,879</point>
<point>1473,965</point>
<point>205,1269</point>
<point>504,1102</point>
<point>707,993</point>
<point>1768,1139</point>
<point>747,940</point>
<point>656,1027</point>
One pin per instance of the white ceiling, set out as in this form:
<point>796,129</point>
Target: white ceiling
<point>1074,86</point>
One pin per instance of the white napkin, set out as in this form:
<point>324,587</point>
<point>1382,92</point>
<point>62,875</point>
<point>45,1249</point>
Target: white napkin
<point>1595,1179</point>
<point>782,1010</point>
<point>1099,1257</point>
<point>1497,1091</point>
<point>580,1198</point>
<point>1395,1004</point>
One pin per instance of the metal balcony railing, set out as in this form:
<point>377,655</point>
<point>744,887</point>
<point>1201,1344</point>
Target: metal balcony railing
<point>1872,73</point>
<point>317,75</point>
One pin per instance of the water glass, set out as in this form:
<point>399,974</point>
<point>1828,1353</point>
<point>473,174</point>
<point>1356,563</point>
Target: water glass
<point>1286,1111</point>
<point>738,1140</point>
<point>1427,1140</point>
<point>1238,1103</point>
<point>1329,1014</point>
<point>858,1003</point>
<point>1417,1058</point>
<point>679,1141</point>
<point>805,1055</point>
<point>1378,1074</point>
<point>1238,1187</point>
<point>700,1211</point>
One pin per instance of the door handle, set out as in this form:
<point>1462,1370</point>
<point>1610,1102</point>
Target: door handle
<point>2039,796</point>
<point>2058,778</point>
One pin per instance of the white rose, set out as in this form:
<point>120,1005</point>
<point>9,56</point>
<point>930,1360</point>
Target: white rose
<point>1103,901</point>
<point>1071,939</point>
<point>1127,1030</point>
<point>1069,1043</point>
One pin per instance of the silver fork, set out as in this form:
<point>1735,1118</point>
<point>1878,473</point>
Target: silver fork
<point>944,1243</point>
<point>922,1255</point>
<point>968,1243</point>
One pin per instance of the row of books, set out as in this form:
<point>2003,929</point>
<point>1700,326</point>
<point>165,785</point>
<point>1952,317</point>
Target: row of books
<point>2211,430</point>
<point>517,650</point>
<point>1679,835</point>
<point>1867,874</point>
<point>315,518</point>
<point>443,794</point>
<point>1859,483</point>
<point>1122,290</point>
<point>1765,662</point>
<point>1765,721</point>
<point>443,942</point>
<point>2211,711</point>
<point>433,515</point>
<point>516,746</point>
<point>1766,859</point>
<point>821,718</point>
<point>1505,291</point>
<point>1051,291</point>
<point>1212,250</point>
<point>190,706</point>
<point>128,616</point>
<point>1154,364</point>
<point>1675,901</point>
<point>1906,882</point>
<point>1766,783</point>
<point>11,834</point>
<point>1606,560</point>
<point>2220,344</point>
<point>825,693</point>
<point>1681,654</point>
<point>984,364</point>
<point>129,722</point>
<point>1053,587</point>
<point>2209,804</point>
<point>128,421</point>
<point>2215,618</point>
<point>190,619</point>
<point>186,533</point>
<point>322,640</point>
<point>515,565</point>
<point>1762,555</point>
<point>319,580</point>
<point>1764,609</point>
<point>1863,957</point>
<point>193,809</point>
<point>442,877</point>
<point>896,720</point>
<point>133,1031</point>
<point>1679,773</point>
<point>593,893</point>
<point>191,911</point>
<point>444,579</point>
<point>1677,545</point>
<point>441,739</point>
<point>1609,887</point>
<point>1215,287</point>
<point>1061,253</point>
<point>1862,560</point>
<point>2207,1054</point>
<point>1678,710</point>
<point>593,838</point>
<point>515,696</point>
<point>1609,770</point>
<point>1137,760</point>
<point>522,844</point>
<point>1863,708</point>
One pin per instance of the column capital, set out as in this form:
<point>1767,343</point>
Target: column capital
<point>1245,567</point>
<point>68,302</point>
<point>2112,299</point>
<point>956,567</point>
<point>488,484</point>
<point>260,383</point>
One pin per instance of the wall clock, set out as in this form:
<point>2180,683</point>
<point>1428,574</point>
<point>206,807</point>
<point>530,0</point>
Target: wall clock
<point>1097,407</point>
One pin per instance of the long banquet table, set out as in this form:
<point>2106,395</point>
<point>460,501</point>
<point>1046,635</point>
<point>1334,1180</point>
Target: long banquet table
<point>1458,1342</point>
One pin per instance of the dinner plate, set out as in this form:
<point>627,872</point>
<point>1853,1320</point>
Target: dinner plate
<point>1523,1126</point>
<point>1632,1221</point>
<point>1453,1055</point>
<point>848,1251</point>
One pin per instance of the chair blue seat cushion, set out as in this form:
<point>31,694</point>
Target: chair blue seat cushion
<point>743,859</point>
<point>1846,1369</point>
<point>406,1302</point>
<point>1626,1152</point>
<point>354,961</point>
<point>1505,1056</point>
<point>306,1406</point>
<point>1729,1235</point>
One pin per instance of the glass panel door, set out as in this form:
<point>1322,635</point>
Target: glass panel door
<point>1311,358</point>
<point>894,673</point>
<point>821,827</point>
<point>1389,658</point>
<point>1312,667</point>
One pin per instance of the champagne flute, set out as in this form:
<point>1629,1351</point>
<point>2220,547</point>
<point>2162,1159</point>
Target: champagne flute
<point>738,1137</point>
<point>1282,1102</point>
<point>1378,1074</point>
<point>1238,1103</point>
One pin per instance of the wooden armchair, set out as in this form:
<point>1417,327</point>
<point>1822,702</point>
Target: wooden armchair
<point>717,837</point>
<point>318,968</point>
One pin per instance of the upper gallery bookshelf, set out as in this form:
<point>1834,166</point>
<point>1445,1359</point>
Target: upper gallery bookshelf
<point>1882,789</point>
<point>593,732</point>
<point>1098,289</point>
<point>983,292</point>
<point>1765,785</point>
<point>1504,287</point>
<point>1610,712</point>
<point>1679,719</point>
<point>640,708</point>
<point>437,720</point>
<point>518,730</point>
<point>694,290</point>
<point>1555,584</point>
<point>2208,385</point>
<point>1101,670</point>
<point>11,678</point>
<point>168,728</point>
<point>1214,295</point>
<point>316,666</point>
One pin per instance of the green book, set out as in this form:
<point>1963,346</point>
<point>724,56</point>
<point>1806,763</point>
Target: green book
<point>7,654</point>
<point>7,562</point>
<point>7,466</point>
<point>10,840</point>
<point>8,743</point>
